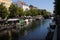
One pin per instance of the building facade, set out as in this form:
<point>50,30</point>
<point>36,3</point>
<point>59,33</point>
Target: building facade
<point>7,3</point>
<point>22,5</point>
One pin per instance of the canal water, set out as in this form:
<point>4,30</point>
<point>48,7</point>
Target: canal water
<point>37,30</point>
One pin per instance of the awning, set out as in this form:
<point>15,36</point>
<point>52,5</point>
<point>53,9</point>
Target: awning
<point>13,19</point>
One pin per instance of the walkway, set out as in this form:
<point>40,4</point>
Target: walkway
<point>55,34</point>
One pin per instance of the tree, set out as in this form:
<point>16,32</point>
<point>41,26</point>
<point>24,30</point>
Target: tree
<point>27,13</point>
<point>20,12</point>
<point>45,13</point>
<point>39,12</point>
<point>13,10</point>
<point>32,12</point>
<point>57,7</point>
<point>3,11</point>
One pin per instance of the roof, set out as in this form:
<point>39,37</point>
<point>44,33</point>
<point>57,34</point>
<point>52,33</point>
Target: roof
<point>23,3</point>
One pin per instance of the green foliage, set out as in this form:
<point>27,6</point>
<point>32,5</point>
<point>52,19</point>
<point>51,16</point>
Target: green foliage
<point>13,10</point>
<point>35,12</point>
<point>27,13</point>
<point>46,14</point>
<point>32,12</point>
<point>20,12</point>
<point>39,12</point>
<point>57,7</point>
<point>3,11</point>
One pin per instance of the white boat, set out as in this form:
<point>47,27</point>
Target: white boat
<point>12,20</point>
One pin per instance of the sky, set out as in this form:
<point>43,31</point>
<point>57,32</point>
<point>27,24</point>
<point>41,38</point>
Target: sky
<point>41,4</point>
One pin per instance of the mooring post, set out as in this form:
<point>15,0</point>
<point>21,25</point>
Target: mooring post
<point>9,34</point>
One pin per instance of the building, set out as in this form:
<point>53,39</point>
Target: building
<point>7,3</point>
<point>22,5</point>
<point>34,7</point>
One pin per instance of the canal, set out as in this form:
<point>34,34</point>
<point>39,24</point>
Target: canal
<point>37,30</point>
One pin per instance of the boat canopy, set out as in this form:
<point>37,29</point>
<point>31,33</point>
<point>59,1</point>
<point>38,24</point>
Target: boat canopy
<point>13,19</point>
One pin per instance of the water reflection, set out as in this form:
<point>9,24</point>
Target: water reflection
<point>37,30</point>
